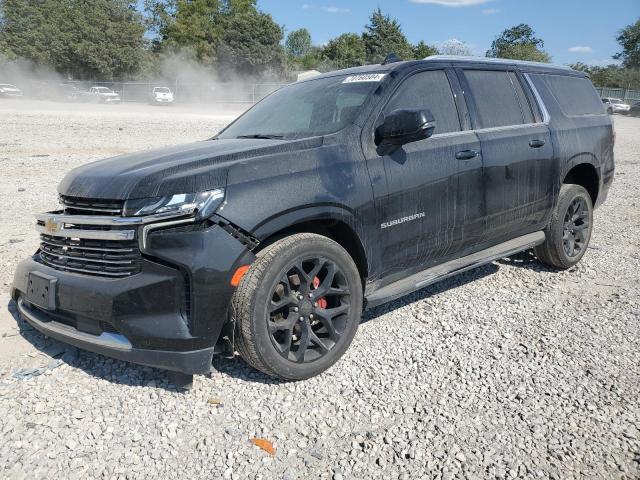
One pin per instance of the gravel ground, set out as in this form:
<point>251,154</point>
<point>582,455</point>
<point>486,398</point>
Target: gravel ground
<point>508,371</point>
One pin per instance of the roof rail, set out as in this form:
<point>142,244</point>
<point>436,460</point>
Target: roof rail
<point>453,58</point>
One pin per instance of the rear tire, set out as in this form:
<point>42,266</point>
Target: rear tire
<point>298,307</point>
<point>569,230</point>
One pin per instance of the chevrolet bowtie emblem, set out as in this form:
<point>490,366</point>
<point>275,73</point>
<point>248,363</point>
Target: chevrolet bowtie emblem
<point>51,226</point>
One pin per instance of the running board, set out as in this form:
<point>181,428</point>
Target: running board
<point>440,272</point>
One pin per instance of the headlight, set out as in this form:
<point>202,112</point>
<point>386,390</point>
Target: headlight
<point>203,204</point>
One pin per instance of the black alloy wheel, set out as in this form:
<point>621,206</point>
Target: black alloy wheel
<point>308,309</point>
<point>298,307</point>
<point>576,228</point>
<point>569,229</point>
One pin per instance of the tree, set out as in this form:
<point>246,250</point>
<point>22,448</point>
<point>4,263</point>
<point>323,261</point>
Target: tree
<point>65,35</point>
<point>383,35</point>
<point>227,33</point>
<point>519,43</point>
<point>455,47</point>
<point>612,76</point>
<point>347,50</point>
<point>298,43</point>
<point>422,50</point>
<point>250,43</point>
<point>187,26</point>
<point>629,40</point>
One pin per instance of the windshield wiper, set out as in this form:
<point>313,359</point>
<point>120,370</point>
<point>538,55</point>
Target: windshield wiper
<point>261,135</point>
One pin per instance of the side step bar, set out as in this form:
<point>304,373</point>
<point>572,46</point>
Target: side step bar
<point>440,272</point>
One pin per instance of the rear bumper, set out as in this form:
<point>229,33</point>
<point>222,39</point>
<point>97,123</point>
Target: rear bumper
<point>169,315</point>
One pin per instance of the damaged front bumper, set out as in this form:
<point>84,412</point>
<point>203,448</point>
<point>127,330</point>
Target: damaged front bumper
<point>149,291</point>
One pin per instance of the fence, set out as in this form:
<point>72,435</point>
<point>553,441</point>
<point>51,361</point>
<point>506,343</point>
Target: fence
<point>185,93</point>
<point>626,95</point>
<point>214,92</point>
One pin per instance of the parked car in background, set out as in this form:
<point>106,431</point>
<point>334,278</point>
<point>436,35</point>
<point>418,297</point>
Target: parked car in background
<point>104,95</point>
<point>615,105</point>
<point>161,96</point>
<point>8,90</point>
<point>634,110</point>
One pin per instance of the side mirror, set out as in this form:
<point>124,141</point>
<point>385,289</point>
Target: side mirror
<point>403,126</point>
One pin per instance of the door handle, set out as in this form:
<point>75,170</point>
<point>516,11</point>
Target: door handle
<point>536,143</point>
<point>466,154</point>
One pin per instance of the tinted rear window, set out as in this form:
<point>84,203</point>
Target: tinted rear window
<point>575,95</point>
<point>498,99</point>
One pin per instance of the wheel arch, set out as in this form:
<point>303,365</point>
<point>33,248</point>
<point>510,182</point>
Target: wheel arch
<point>583,171</point>
<point>333,222</point>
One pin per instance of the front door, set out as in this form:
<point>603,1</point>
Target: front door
<point>418,188</point>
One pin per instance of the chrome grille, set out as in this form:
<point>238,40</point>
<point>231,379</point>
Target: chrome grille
<point>91,206</point>
<point>102,245</point>
<point>108,258</point>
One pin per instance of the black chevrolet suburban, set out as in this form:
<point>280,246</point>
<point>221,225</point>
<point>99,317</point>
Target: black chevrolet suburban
<point>331,195</point>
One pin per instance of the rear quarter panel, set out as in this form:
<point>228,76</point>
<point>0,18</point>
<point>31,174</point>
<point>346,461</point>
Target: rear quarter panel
<point>579,139</point>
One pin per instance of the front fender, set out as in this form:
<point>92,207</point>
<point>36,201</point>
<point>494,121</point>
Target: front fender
<point>290,218</point>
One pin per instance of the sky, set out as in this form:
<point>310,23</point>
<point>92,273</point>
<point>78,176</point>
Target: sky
<point>573,30</point>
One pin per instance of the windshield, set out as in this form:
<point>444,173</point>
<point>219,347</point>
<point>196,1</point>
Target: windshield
<point>616,100</point>
<point>161,90</point>
<point>306,109</point>
<point>102,89</point>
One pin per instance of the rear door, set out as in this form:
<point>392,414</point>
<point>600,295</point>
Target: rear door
<point>519,168</point>
<point>417,203</point>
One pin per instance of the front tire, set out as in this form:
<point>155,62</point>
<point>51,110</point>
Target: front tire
<point>298,307</point>
<point>569,230</point>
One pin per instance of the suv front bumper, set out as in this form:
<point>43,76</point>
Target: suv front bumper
<point>169,315</point>
<point>117,346</point>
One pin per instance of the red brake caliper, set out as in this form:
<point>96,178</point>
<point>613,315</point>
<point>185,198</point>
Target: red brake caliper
<point>322,302</point>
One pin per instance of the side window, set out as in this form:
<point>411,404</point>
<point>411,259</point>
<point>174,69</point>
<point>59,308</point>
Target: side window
<point>575,95</point>
<point>430,90</point>
<point>527,112</point>
<point>499,98</point>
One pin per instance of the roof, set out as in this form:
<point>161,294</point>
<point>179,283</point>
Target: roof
<point>500,61</point>
<point>523,65</point>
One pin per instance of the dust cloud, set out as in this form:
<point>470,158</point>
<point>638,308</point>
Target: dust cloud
<point>195,86</point>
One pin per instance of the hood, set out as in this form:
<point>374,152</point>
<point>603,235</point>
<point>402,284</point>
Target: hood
<point>194,167</point>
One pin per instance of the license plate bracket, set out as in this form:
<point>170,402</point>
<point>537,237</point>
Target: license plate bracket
<point>41,290</point>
